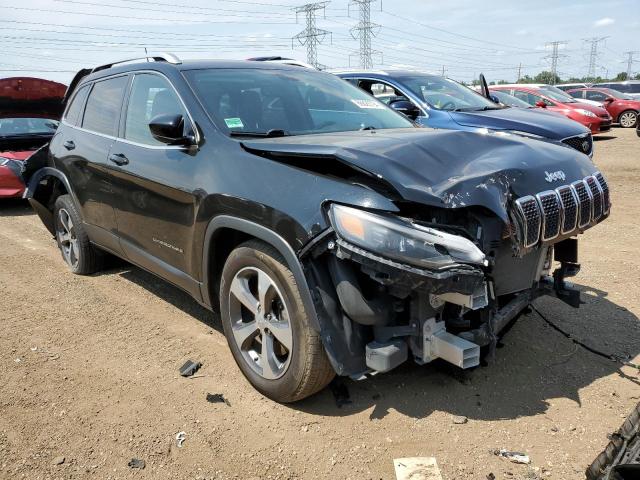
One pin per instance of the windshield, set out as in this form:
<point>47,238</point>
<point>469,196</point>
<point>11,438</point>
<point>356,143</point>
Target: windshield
<point>24,127</point>
<point>288,102</point>
<point>615,94</point>
<point>556,94</point>
<point>444,94</point>
<point>510,100</point>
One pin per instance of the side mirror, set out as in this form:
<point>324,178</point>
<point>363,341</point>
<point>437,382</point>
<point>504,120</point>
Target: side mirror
<point>494,99</point>
<point>169,129</point>
<point>406,108</point>
<point>541,104</point>
<point>609,100</point>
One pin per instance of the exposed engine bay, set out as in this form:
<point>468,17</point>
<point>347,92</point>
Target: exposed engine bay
<point>443,283</point>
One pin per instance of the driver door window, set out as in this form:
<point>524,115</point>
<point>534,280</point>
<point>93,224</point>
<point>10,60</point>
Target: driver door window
<point>151,95</point>
<point>596,96</point>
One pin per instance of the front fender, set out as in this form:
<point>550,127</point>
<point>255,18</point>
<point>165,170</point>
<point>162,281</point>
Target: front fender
<point>268,236</point>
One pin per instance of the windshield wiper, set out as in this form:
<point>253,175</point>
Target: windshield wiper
<point>268,134</point>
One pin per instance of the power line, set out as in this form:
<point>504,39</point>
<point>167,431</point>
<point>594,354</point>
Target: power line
<point>555,46</point>
<point>630,61</point>
<point>172,20</point>
<point>364,31</point>
<point>201,10</point>
<point>311,36</point>
<point>593,54</point>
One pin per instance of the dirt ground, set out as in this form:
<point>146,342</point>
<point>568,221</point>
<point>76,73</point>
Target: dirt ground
<point>89,372</point>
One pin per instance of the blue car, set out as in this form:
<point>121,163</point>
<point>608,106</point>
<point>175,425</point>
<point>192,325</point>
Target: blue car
<point>438,102</point>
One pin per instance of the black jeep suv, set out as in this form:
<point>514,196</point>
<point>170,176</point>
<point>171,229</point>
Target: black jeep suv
<point>332,234</point>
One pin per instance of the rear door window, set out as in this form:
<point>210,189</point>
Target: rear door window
<point>151,95</point>
<point>74,112</point>
<point>102,112</point>
<point>577,94</point>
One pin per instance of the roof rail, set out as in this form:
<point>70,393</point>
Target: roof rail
<point>162,57</point>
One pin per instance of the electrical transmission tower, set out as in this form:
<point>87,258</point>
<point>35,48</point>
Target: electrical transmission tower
<point>555,55</point>
<point>593,54</point>
<point>311,36</point>
<point>630,61</point>
<point>364,31</point>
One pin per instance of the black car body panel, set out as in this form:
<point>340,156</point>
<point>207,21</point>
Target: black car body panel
<point>179,210</point>
<point>443,168</point>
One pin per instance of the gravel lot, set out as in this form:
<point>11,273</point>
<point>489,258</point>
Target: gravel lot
<point>88,372</point>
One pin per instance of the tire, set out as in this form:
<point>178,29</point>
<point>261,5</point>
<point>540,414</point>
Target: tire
<point>628,119</point>
<point>274,345</point>
<point>73,241</point>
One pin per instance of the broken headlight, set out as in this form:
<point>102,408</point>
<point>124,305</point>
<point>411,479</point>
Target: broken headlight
<point>401,240</point>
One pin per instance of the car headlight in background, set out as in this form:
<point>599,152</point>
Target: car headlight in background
<point>401,240</point>
<point>585,112</point>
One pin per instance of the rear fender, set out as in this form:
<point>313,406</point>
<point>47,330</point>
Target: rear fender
<point>43,187</point>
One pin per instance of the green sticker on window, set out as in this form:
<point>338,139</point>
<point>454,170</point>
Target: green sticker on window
<point>233,123</point>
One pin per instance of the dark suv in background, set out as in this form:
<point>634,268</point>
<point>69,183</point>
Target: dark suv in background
<point>332,234</point>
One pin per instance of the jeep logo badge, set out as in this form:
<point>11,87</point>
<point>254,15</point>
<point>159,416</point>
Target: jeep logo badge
<point>585,146</point>
<point>554,176</point>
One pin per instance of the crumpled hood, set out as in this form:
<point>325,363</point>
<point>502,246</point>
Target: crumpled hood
<point>443,168</point>
<point>531,121</point>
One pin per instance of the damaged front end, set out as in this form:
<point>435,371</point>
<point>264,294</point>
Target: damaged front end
<point>432,283</point>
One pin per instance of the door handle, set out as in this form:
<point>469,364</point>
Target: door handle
<point>69,145</point>
<point>119,159</point>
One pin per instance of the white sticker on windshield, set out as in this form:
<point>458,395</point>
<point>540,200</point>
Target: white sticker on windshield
<point>368,104</point>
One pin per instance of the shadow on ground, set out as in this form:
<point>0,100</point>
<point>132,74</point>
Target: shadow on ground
<point>534,364</point>
<point>15,207</point>
<point>599,138</point>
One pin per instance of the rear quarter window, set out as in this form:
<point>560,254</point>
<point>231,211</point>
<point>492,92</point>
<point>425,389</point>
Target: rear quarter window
<point>74,110</point>
<point>102,112</point>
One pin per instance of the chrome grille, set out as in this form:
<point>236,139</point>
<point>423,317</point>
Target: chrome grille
<point>606,199</point>
<point>551,213</point>
<point>596,193</point>
<point>584,198</point>
<point>530,216</point>
<point>567,209</point>
<point>569,205</point>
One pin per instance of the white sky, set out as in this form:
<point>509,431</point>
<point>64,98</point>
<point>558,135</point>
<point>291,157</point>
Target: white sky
<point>54,38</point>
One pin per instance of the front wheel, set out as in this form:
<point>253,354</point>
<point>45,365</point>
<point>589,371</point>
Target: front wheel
<point>267,327</point>
<point>628,119</point>
<point>73,241</point>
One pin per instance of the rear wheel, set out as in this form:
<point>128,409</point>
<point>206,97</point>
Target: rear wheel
<point>267,327</point>
<point>628,119</point>
<point>73,241</point>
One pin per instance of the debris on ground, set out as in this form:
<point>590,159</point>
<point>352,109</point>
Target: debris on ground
<point>417,468</point>
<point>217,398</point>
<point>460,420</point>
<point>491,476</point>
<point>137,463</point>
<point>58,460</point>
<point>189,368</point>
<point>180,438</point>
<point>515,457</point>
<point>340,393</point>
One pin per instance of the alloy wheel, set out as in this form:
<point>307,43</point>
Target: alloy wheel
<point>66,234</point>
<point>628,119</point>
<point>260,323</point>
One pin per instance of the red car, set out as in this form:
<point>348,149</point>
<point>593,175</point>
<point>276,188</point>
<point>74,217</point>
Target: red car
<point>597,119</point>
<point>623,108</point>
<point>29,113</point>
